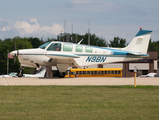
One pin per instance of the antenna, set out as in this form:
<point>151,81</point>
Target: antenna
<point>80,41</point>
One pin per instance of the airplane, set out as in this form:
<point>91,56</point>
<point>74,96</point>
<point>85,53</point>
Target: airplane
<point>65,54</point>
<point>40,73</point>
<point>149,75</point>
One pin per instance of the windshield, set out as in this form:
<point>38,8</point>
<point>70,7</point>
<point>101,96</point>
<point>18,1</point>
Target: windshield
<point>44,45</point>
<point>54,47</point>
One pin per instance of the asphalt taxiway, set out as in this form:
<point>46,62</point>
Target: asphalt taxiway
<point>78,81</point>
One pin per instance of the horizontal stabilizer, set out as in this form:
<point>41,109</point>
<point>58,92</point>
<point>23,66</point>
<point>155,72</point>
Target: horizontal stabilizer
<point>134,53</point>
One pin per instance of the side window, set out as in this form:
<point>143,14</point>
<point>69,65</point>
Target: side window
<point>80,72</point>
<point>79,48</point>
<point>84,72</point>
<point>67,47</point>
<point>88,49</point>
<point>73,73</point>
<point>54,47</point>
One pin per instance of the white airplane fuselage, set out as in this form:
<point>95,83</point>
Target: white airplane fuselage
<point>99,55</point>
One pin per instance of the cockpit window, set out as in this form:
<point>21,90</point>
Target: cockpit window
<point>44,45</point>
<point>54,47</point>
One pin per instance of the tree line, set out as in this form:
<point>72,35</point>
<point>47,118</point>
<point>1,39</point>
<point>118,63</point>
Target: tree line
<point>16,43</point>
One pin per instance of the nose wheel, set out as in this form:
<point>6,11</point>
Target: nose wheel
<point>20,72</point>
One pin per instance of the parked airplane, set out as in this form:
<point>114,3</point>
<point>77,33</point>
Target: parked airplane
<point>40,73</point>
<point>64,54</point>
<point>149,75</point>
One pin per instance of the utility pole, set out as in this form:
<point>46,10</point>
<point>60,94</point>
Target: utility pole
<point>76,38</point>
<point>7,62</point>
<point>65,26</point>
<point>89,33</point>
<point>15,49</point>
<point>72,33</point>
<point>15,44</point>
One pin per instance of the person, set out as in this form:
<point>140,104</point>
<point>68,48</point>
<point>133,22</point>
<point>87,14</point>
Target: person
<point>56,47</point>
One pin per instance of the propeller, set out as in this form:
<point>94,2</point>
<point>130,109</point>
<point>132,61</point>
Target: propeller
<point>14,58</point>
<point>17,53</point>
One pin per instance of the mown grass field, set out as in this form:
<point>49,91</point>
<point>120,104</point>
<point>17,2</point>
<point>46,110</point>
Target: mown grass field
<point>79,102</point>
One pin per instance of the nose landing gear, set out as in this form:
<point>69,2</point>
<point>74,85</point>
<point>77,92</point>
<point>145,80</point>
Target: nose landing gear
<point>20,72</point>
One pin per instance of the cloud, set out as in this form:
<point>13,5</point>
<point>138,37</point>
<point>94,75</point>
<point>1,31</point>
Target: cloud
<point>4,25</point>
<point>81,1</point>
<point>33,27</point>
<point>93,5</point>
<point>138,13</point>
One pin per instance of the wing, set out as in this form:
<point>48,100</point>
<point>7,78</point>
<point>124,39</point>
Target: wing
<point>61,55</point>
<point>63,58</point>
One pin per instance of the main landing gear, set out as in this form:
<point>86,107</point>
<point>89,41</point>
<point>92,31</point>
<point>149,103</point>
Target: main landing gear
<point>20,72</point>
<point>60,74</point>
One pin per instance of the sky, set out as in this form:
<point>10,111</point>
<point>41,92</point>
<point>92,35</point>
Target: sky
<point>106,18</point>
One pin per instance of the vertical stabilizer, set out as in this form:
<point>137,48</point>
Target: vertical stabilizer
<point>140,42</point>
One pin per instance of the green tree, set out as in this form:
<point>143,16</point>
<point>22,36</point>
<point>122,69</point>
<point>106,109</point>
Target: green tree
<point>154,46</point>
<point>118,42</point>
<point>8,44</point>
<point>36,42</point>
<point>94,40</point>
<point>51,39</point>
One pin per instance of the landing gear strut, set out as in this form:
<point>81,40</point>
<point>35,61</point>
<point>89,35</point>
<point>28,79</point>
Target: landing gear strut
<point>20,72</point>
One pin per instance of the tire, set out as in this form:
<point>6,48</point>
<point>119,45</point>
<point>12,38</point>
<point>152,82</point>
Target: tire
<point>20,74</point>
<point>57,73</point>
<point>61,75</point>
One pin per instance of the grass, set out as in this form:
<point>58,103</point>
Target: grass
<point>79,102</point>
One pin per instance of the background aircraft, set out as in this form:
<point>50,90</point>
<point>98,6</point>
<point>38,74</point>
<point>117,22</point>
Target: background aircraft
<point>40,73</point>
<point>149,75</point>
<point>64,54</point>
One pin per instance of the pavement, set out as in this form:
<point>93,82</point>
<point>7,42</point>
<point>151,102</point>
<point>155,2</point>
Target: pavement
<point>78,81</point>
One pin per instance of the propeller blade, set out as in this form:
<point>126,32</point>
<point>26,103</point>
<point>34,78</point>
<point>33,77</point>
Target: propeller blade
<point>17,53</point>
<point>14,58</point>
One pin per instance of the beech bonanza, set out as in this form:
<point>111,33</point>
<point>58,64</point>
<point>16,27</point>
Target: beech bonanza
<point>64,54</point>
